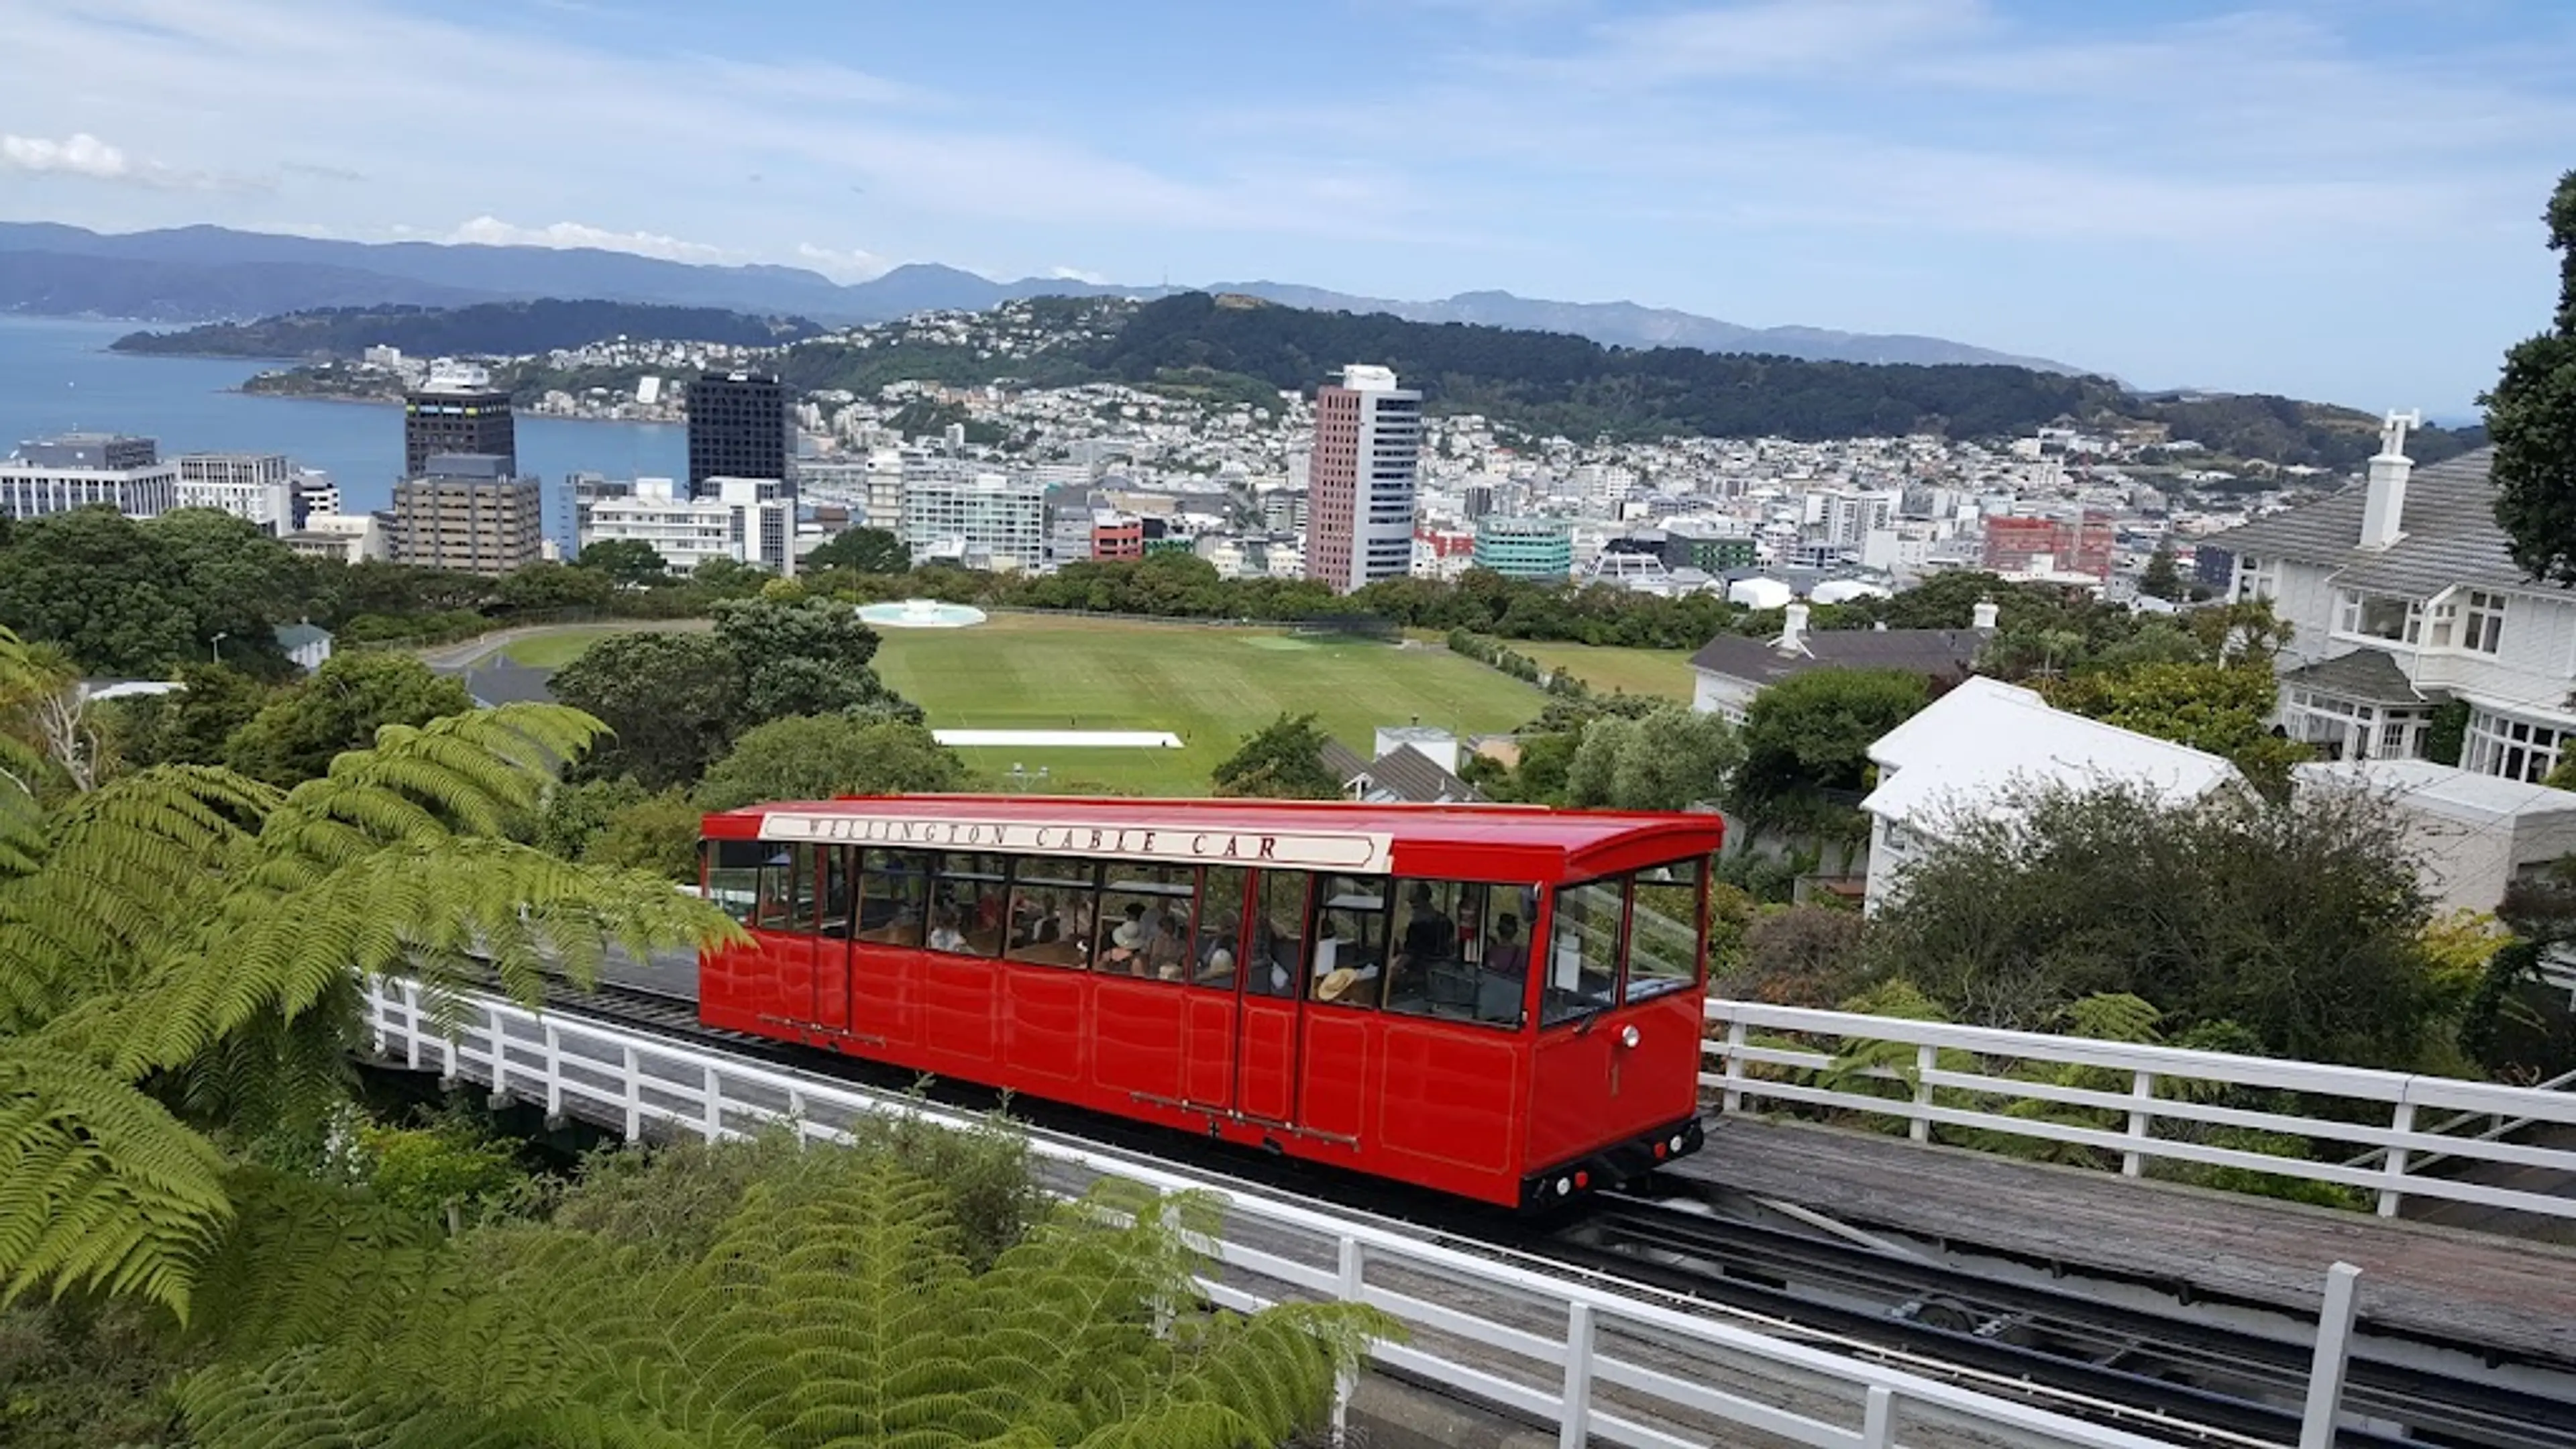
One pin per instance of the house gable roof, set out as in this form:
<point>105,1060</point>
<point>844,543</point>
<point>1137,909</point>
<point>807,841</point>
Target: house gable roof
<point>1974,743</point>
<point>2447,535</point>
<point>1928,652</point>
<point>1404,773</point>
<point>2364,674</point>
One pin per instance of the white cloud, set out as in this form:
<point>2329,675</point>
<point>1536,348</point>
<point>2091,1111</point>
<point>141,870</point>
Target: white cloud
<point>1076,274</point>
<point>854,265</point>
<point>85,155</point>
<point>491,231</point>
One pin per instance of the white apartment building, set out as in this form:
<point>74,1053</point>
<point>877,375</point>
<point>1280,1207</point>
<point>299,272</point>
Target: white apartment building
<point>2405,597</point>
<point>871,488</point>
<point>257,487</point>
<point>1362,478</point>
<point>740,519</point>
<point>995,518</point>
<point>1845,517</point>
<point>83,470</point>
<point>349,538</point>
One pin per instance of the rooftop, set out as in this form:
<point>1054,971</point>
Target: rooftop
<point>1982,738</point>
<point>2447,535</point>
<point>1928,652</point>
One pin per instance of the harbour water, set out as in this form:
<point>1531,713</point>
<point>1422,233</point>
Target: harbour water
<point>56,375</point>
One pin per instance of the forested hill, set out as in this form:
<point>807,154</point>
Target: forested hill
<point>1552,383</point>
<point>503,329</point>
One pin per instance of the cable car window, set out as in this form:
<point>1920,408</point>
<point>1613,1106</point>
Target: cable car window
<point>1663,929</point>
<point>1147,920</point>
<point>1461,950</point>
<point>776,909</point>
<point>1346,956</point>
<point>968,905</point>
<point>893,887</point>
<point>1052,905</point>
<point>836,890</point>
<point>1220,937</point>
<point>733,876</point>
<point>1278,936</point>
<point>1583,951</point>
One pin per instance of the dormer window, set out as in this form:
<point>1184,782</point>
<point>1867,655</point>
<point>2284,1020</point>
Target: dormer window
<point>2379,616</point>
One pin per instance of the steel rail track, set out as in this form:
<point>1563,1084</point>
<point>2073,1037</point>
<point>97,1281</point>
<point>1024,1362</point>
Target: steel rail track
<point>2146,1372</point>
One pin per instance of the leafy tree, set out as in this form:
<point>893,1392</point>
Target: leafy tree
<point>815,757</point>
<point>552,586</point>
<point>1283,760</point>
<point>1671,759</point>
<point>628,562</point>
<point>181,950</point>
<point>862,550</point>
<point>2301,921</point>
<point>1807,739</point>
<point>340,707</point>
<point>2162,580</point>
<point>658,833</point>
<point>189,725</point>
<point>240,582</point>
<point>2219,708</point>
<point>1801,956</point>
<point>724,578</point>
<point>673,700</point>
<point>803,656</point>
<point>2531,415</point>
<point>93,582</point>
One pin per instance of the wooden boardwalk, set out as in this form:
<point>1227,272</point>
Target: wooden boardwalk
<point>2420,1280</point>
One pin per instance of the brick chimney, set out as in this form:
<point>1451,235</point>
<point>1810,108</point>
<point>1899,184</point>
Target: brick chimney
<point>2383,506</point>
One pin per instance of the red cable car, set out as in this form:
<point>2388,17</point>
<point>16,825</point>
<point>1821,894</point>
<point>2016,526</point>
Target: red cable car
<point>1502,1003</point>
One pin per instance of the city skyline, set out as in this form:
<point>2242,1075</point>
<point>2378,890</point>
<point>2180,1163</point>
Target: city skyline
<point>2332,202</point>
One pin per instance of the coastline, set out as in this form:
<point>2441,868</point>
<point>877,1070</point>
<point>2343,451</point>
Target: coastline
<point>395,402</point>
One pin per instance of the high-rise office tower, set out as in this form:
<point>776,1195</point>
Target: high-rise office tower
<point>1360,480</point>
<point>739,427</point>
<point>458,412</point>
<point>467,513</point>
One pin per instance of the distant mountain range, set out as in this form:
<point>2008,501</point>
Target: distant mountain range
<point>208,273</point>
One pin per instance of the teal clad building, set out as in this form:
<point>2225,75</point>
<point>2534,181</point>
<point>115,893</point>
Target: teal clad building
<point>1525,548</point>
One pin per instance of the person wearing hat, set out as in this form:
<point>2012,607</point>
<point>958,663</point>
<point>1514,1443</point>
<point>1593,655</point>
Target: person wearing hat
<point>1333,980</point>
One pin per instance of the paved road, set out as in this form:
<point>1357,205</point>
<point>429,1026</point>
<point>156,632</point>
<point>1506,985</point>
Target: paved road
<point>451,658</point>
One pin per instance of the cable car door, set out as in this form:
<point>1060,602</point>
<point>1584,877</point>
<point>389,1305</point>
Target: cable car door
<point>832,938</point>
<point>1212,1021</point>
<point>1273,1000</point>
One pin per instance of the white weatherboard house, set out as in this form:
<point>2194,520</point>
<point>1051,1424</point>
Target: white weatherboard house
<point>2472,833</point>
<point>2404,595</point>
<point>1966,751</point>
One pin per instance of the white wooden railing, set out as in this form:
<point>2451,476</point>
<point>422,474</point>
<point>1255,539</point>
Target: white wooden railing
<point>1598,1364</point>
<point>1957,1077</point>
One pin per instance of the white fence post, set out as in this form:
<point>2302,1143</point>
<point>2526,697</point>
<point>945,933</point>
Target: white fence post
<point>2392,1195</point>
<point>2142,1090</point>
<point>634,1096</point>
<point>1733,1099</point>
<point>1927,1059</point>
<point>1575,1425</point>
<point>411,1025</point>
<point>554,1073</point>
<point>1878,1420</point>
<point>713,1083</point>
<point>1353,1267</point>
<point>2334,1351</point>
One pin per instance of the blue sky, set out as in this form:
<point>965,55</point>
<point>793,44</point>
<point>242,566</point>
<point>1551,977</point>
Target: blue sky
<point>2336,200</point>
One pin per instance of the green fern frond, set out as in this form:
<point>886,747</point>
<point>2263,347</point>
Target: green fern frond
<point>307,1262</point>
<point>100,1187</point>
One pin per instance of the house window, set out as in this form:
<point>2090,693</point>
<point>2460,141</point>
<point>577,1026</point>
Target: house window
<point>2256,579</point>
<point>2485,627</point>
<point>2339,728</point>
<point>2379,616</point>
<point>2515,749</point>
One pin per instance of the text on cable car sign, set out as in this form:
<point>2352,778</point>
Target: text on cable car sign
<point>1355,851</point>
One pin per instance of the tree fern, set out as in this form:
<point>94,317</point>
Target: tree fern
<point>835,1307</point>
<point>183,946</point>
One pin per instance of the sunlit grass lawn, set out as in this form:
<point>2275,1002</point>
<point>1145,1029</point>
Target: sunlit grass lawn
<point>1209,685</point>
<point>1638,671</point>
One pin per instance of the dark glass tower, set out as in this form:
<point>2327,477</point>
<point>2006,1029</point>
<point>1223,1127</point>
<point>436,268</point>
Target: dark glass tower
<point>739,427</point>
<point>439,421</point>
